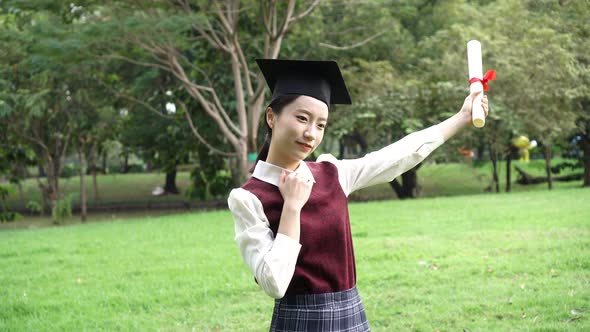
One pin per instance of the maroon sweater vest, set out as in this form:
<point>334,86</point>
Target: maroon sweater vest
<point>326,260</point>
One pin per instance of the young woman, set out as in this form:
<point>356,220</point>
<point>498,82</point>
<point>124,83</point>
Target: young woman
<point>291,217</point>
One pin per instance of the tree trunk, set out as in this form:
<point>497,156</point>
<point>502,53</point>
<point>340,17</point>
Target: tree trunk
<point>104,163</point>
<point>494,157</point>
<point>239,165</point>
<point>511,152</point>
<point>352,140</point>
<point>20,170</point>
<point>548,166</point>
<point>82,184</point>
<point>41,171</point>
<point>95,186</point>
<point>361,141</point>
<point>125,166</point>
<point>243,164</point>
<point>409,186</point>
<point>235,176</point>
<point>480,150</point>
<point>170,185</point>
<point>525,178</point>
<point>45,198</point>
<point>149,166</point>
<point>51,190</point>
<point>92,168</point>
<point>341,147</point>
<point>397,188</point>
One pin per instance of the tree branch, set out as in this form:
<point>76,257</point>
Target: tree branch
<point>199,137</point>
<point>135,100</point>
<point>211,90</point>
<point>283,29</point>
<point>62,155</point>
<point>140,63</point>
<point>32,139</point>
<point>306,12</point>
<point>207,106</point>
<point>361,43</point>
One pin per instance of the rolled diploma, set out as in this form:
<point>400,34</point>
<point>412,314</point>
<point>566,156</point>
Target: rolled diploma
<point>475,70</point>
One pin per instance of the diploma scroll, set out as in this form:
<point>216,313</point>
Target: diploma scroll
<point>476,71</point>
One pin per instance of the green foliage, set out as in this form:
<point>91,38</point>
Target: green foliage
<point>61,70</point>
<point>12,153</point>
<point>62,210</point>
<point>5,215</point>
<point>210,179</point>
<point>9,216</point>
<point>69,170</point>
<point>34,207</point>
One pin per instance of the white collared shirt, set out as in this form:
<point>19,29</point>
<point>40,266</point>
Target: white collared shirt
<point>272,259</point>
<point>270,173</point>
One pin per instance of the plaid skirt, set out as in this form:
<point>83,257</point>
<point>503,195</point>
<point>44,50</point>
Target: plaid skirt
<point>339,311</point>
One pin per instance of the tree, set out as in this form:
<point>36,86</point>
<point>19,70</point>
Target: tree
<point>14,155</point>
<point>393,96</point>
<point>33,101</point>
<point>91,118</point>
<point>51,98</point>
<point>542,71</point>
<point>176,34</point>
<point>573,17</point>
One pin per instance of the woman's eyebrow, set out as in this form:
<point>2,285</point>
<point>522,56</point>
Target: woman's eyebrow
<point>309,113</point>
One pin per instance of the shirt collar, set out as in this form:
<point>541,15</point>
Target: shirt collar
<point>271,173</point>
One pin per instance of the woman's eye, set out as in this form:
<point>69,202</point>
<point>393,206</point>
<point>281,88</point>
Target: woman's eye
<point>302,118</point>
<point>322,125</point>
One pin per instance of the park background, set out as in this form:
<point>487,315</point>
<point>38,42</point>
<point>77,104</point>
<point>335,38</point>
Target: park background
<point>123,122</point>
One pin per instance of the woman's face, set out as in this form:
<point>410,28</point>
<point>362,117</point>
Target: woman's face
<point>296,131</point>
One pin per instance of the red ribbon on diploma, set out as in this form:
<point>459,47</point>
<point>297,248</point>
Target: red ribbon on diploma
<point>489,76</point>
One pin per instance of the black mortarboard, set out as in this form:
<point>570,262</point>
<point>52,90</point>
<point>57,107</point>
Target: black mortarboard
<point>319,79</point>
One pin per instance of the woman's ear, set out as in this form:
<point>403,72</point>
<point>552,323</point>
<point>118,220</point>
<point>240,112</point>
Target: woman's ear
<point>270,117</point>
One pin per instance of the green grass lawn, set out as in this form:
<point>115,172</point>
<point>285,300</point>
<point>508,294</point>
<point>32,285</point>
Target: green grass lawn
<point>112,188</point>
<point>517,262</point>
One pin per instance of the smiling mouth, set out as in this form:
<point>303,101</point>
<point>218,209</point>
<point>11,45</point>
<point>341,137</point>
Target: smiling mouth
<point>304,146</point>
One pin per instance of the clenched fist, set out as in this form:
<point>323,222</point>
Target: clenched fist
<point>295,189</point>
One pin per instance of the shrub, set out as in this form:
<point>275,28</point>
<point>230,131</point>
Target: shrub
<point>132,168</point>
<point>204,186</point>
<point>70,170</point>
<point>34,207</point>
<point>5,215</point>
<point>62,210</point>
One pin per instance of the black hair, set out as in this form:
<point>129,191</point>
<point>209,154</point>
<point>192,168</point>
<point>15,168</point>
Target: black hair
<point>277,106</point>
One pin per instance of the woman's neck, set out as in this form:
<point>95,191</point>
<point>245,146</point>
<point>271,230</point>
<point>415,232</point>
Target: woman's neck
<point>290,165</point>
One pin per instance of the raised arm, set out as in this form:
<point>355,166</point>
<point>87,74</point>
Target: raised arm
<point>389,162</point>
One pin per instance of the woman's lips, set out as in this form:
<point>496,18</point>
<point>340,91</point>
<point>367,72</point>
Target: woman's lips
<point>305,147</point>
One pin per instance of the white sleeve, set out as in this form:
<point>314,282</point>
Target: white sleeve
<point>386,164</point>
<point>271,260</point>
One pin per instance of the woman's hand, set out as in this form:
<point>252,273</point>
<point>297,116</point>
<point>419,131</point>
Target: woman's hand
<point>295,189</point>
<point>465,112</point>
<point>462,119</point>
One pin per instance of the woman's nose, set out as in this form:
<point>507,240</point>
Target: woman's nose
<point>309,132</point>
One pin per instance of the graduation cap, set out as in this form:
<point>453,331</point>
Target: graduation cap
<point>318,79</point>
